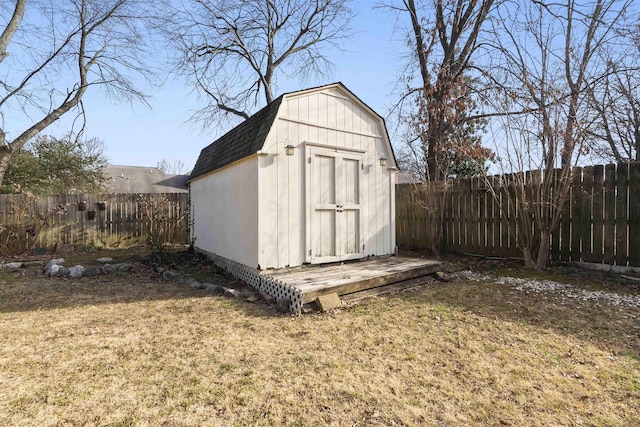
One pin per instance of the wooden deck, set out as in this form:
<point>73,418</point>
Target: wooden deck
<point>316,280</point>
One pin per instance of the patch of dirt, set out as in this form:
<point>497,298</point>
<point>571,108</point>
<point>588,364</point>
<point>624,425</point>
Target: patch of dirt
<point>193,265</point>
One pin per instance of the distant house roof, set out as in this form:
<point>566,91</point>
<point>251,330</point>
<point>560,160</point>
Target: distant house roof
<point>406,178</point>
<point>141,179</point>
<point>249,136</point>
<point>242,141</point>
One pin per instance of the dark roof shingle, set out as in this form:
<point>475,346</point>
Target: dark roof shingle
<point>242,141</point>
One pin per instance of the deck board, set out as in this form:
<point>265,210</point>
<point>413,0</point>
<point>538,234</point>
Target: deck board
<point>350,277</point>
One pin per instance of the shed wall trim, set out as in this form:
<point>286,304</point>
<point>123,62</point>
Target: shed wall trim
<point>353,132</point>
<point>333,147</point>
<point>230,165</point>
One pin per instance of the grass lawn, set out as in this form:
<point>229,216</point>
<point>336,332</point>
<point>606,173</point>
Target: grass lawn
<point>131,350</point>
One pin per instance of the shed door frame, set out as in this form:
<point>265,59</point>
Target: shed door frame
<point>338,206</point>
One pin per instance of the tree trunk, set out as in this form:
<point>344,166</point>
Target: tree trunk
<point>543,251</point>
<point>432,163</point>
<point>5,156</point>
<point>542,254</point>
<point>529,262</point>
<point>435,138</point>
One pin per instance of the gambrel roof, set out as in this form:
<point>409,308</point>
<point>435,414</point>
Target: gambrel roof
<point>248,137</point>
<point>242,141</point>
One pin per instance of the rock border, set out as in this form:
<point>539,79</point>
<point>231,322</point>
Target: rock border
<point>104,266</point>
<point>55,268</point>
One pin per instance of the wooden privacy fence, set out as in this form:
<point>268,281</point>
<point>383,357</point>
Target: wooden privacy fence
<point>600,221</point>
<point>104,220</point>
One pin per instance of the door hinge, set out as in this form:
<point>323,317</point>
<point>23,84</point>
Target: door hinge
<point>309,252</point>
<point>309,160</point>
<point>363,246</point>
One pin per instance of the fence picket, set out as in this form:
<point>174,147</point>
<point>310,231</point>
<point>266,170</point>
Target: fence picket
<point>586,206</point>
<point>634,214</point>
<point>119,224</point>
<point>622,182</point>
<point>600,214</point>
<point>555,234</point>
<point>576,213</point>
<point>493,224</point>
<point>609,213</point>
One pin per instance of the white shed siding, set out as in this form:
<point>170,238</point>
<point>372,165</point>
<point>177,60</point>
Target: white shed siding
<point>327,118</point>
<point>224,205</point>
<point>281,200</point>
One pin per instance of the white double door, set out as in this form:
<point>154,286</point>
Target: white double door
<point>334,205</point>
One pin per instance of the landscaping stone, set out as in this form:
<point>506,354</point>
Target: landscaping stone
<point>91,271</point>
<point>231,292</point>
<point>160,270</point>
<point>104,260</point>
<point>253,298</point>
<point>11,265</point>
<point>283,305</point>
<point>52,270</point>
<point>63,272</point>
<point>328,302</point>
<point>125,266</point>
<point>32,264</point>
<point>108,269</point>
<point>195,285</point>
<point>246,293</point>
<point>76,271</point>
<point>219,290</point>
<point>56,261</point>
<point>171,276</point>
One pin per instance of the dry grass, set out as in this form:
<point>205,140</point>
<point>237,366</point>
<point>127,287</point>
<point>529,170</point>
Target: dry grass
<point>132,351</point>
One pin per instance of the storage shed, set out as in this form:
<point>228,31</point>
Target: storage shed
<point>310,178</point>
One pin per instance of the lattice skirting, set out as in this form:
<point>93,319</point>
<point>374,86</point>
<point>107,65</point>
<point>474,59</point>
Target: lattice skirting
<point>260,281</point>
<point>281,290</point>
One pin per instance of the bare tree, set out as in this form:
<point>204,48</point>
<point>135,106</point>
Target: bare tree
<point>616,104</point>
<point>444,37</point>
<point>234,50</point>
<point>53,52</point>
<point>548,58</point>
<point>438,107</point>
<point>172,166</point>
